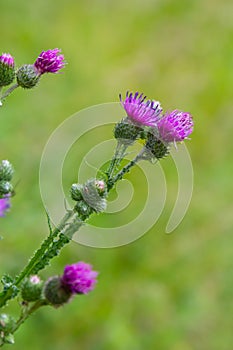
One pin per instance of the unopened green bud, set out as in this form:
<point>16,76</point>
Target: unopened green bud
<point>7,322</point>
<point>5,187</point>
<point>156,147</point>
<point>27,76</point>
<point>55,293</point>
<point>31,288</point>
<point>7,325</point>
<point>9,339</point>
<point>101,187</point>
<point>91,194</point>
<point>75,192</point>
<point>83,209</point>
<point>126,132</point>
<point>6,170</point>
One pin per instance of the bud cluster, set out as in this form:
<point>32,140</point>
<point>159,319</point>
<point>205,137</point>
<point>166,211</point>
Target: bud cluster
<point>28,75</point>
<point>90,197</point>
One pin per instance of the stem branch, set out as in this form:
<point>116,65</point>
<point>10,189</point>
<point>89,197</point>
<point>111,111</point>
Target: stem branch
<point>9,91</point>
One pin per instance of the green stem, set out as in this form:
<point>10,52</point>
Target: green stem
<point>27,313</point>
<point>9,91</point>
<point>62,235</point>
<point>142,155</point>
<point>40,252</point>
<point>56,246</point>
<point>124,170</point>
<point>37,259</point>
<point>118,156</point>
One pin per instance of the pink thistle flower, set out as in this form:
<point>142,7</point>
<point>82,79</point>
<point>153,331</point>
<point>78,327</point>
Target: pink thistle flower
<point>7,69</point>
<point>7,59</point>
<point>175,126</point>
<point>79,278</point>
<point>140,111</point>
<point>49,61</point>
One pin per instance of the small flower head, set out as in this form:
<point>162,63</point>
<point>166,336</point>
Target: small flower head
<point>7,69</point>
<point>140,111</point>
<point>4,206</point>
<point>7,60</point>
<point>79,278</point>
<point>100,186</point>
<point>175,126</point>
<point>49,61</point>
<point>31,288</point>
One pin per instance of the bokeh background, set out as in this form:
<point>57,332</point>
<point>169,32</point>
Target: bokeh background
<point>165,292</point>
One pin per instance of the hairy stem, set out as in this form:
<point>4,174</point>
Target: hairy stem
<point>118,156</point>
<point>36,260</point>
<point>45,245</point>
<point>126,169</point>
<point>9,91</point>
<point>27,312</point>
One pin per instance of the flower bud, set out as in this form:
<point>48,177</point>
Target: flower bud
<point>27,76</point>
<point>5,188</point>
<point>7,322</point>
<point>126,132</point>
<point>83,209</point>
<point>31,288</point>
<point>7,70</point>
<point>55,292</point>
<point>90,197</point>
<point>90,192</point>
<point>101,187</point>
<point>6,170</point>
<point>156,147</point>
<point>75,192</point>
<point>8,338</point>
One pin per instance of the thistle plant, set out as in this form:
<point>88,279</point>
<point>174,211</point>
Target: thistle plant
<point>144,120</point>
<point>28,75</point>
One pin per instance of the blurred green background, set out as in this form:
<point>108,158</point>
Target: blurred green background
<point>165,292</point>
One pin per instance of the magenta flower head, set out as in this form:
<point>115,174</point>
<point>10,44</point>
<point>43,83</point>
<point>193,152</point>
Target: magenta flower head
<point>7,69</point>
<point>4,206</point>
<point>140,111</point>
<point>7,59</point>
<point>79,278</point>
<point>49,61</point>
<point>175,126</point>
